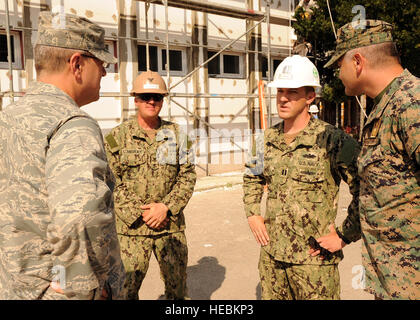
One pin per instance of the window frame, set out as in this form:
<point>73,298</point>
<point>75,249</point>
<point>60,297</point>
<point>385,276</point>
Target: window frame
<point>227,75</point>
<point>18,51</point>
<point>157,58</point>
<point>273,70</point>
<point>113,67</point>
<point>160,67</point>
<point>175,73</point>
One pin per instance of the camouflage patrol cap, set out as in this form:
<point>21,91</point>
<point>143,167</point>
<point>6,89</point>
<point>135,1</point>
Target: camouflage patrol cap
<point>359,34</point>
<point>73,32</point>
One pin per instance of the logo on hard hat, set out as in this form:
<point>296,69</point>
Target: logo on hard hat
<point>315,72</point>
<point>286,72</point>
<point>150,85</point>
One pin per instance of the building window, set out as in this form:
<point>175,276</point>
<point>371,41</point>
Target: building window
<point>157,58</point>
<point>16,46</point>
<point>175,60</point>
<point>142,61</point>
<point>274,64</point>
<point>225,65</point>
<point>231,64</point>
<point>214,65</point>
<point>112,48</point>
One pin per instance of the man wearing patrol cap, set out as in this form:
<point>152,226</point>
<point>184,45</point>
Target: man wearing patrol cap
<point>58,236</point>
<point>305,160</point>
<point>389,162</point>
<point>154,181</point>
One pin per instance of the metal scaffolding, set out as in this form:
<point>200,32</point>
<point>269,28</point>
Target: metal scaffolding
<point>257,17</point>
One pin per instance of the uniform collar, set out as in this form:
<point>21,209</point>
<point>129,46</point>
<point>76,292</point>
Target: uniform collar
<point>42,88</point>
<point>139,132</point>
<point>309,134</point>
<point>306,137</point>
<point>381,101</point>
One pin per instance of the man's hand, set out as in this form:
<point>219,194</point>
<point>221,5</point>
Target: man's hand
<point>155,215</point>
<point>256,223</point>
<point>57,288</point>
<point>332,242</point>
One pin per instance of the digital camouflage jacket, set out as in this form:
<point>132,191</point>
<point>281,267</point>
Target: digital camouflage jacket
<point>56,210</point>
<point>389,169</point>
<point>303,181</point>
<point>147,171</point>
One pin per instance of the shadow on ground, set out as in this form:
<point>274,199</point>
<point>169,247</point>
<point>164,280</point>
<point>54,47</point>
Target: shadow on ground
<point>205,278</point>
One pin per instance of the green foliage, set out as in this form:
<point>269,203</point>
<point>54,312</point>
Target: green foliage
<point>404,15</point>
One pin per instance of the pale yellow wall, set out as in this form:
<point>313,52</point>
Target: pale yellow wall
<point>221,30</point>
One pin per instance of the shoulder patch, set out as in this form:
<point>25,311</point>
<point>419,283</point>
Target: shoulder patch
<point>113,145</point>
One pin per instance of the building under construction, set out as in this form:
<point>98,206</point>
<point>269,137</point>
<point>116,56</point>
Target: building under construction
<point>222,53</point>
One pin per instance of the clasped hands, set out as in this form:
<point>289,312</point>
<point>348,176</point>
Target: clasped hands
<point>155,215</point>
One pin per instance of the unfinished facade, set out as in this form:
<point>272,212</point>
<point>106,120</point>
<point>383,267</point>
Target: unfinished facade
<point>218,103</point>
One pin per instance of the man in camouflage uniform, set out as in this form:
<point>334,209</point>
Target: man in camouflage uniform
<point>57,228</point>
<point>304,161</point>
<point>389,162</point>
<point>155,180</point>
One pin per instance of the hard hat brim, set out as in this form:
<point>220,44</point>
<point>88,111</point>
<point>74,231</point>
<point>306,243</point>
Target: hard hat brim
<point>162,92</point>
<point>291,84</point>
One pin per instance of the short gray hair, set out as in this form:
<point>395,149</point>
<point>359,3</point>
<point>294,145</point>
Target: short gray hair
<point>51,59</point>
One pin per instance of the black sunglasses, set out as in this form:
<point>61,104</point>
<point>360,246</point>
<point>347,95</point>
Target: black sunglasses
<point>148,96</point>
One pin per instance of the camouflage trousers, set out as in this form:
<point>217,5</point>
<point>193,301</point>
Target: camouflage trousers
<point>171,252</point>
<point>286,281</point>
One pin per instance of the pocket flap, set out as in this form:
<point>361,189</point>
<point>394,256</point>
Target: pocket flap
<point>133,157</point>
<point>309,174</point>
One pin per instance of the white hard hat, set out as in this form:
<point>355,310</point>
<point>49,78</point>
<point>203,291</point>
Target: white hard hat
<point>295,72</point>
<point>313,108</point>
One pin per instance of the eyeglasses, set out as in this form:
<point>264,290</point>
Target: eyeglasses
<point>104,64</point>
<point>148,96</point>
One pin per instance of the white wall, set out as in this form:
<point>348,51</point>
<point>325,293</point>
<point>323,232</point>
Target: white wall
<point>224,112</point>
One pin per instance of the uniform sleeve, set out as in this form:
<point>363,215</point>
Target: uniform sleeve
<point>345,155</point>
<point>409,128</point>
<point>253,187</point>
<point>182,190</point>
<point>82,228</point>
<point>254,181</point>
<point>126,202</point>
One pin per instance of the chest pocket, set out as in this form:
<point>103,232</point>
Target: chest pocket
<point>308,169</point>
<point>133,157</point>
<point>132,160</point>
<point>306,174</point>
<point>166,154</point>
<point>371,153</point>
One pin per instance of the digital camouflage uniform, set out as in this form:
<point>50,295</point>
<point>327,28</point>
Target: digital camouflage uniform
<point>56,206</point>
<point>150,171</point>
<point>389,170</point>
<point>303,181</point>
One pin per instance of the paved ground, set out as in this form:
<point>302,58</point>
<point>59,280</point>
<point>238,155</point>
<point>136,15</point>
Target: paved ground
<point>223,254</point>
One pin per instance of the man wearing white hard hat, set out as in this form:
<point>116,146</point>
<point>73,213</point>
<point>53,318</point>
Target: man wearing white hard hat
<point>313,110</point>
<point>305,160</point>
